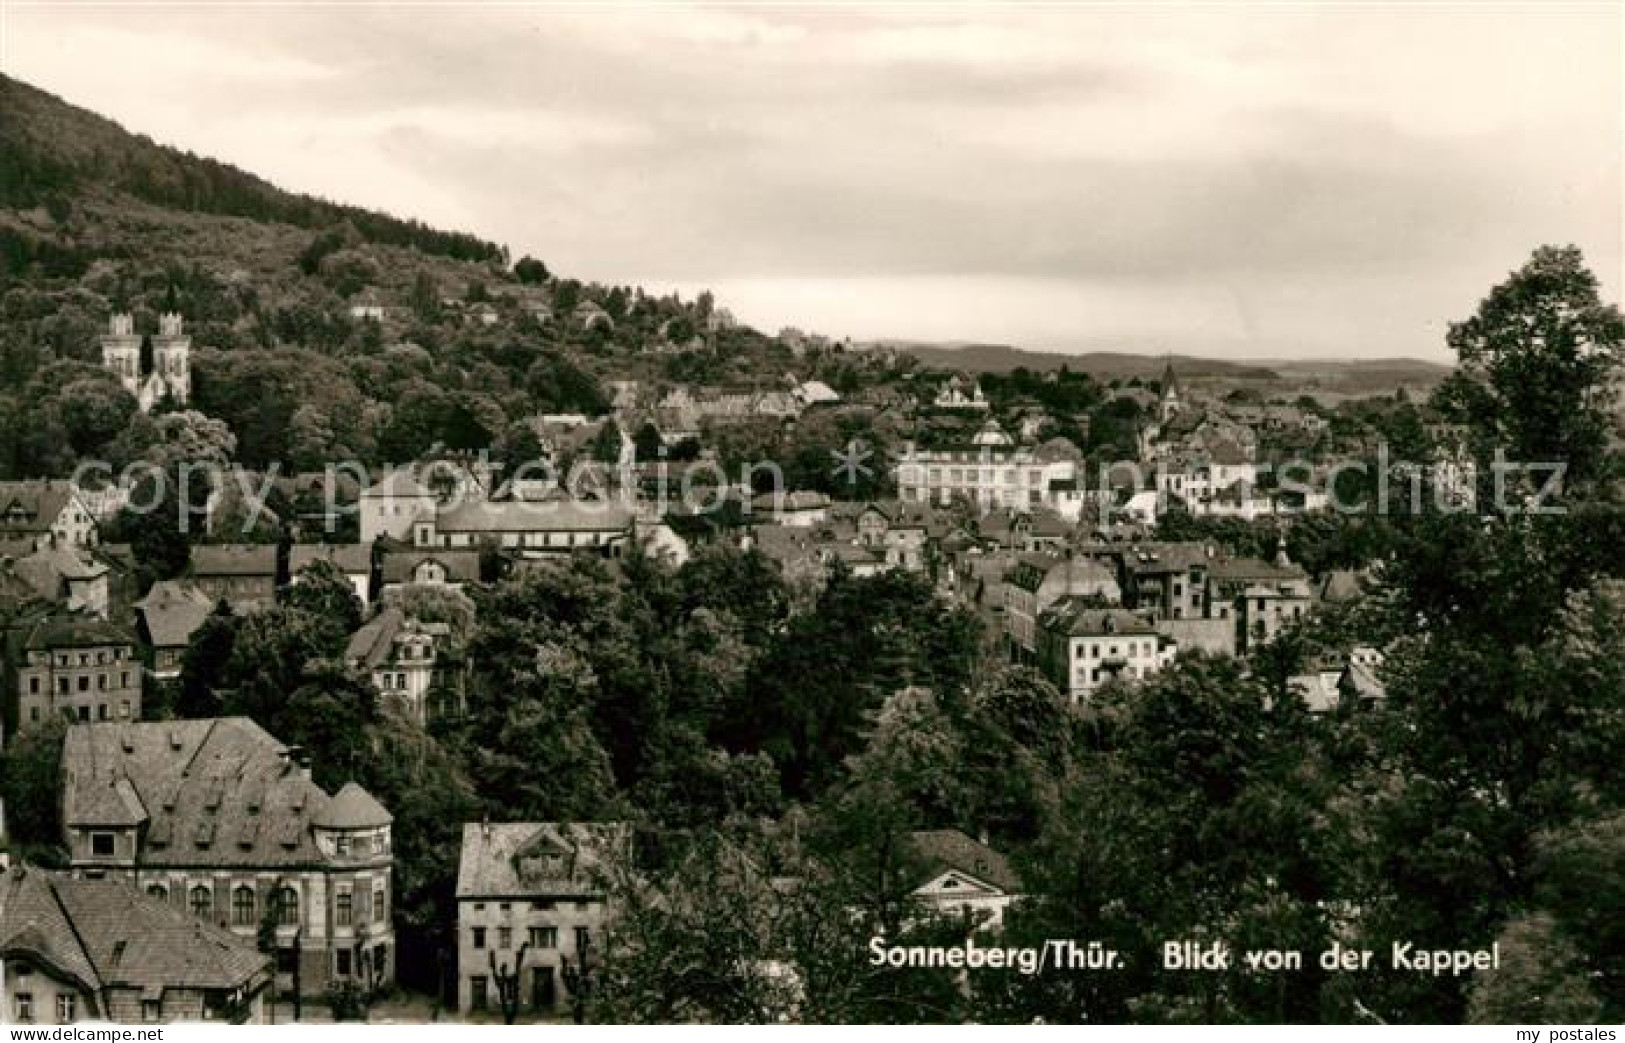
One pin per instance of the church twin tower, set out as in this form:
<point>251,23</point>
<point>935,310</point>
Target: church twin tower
<point>165,373</point>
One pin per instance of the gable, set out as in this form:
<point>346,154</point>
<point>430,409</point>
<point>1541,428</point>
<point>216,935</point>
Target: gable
<point>956,884</point>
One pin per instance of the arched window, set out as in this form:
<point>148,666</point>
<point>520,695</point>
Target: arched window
<point>202,901</point>
<point>288,907</point>
<point>158,891</point>
<point>242,906</point>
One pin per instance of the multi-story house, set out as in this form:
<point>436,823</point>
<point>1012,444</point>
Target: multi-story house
<point>389,507</point>
<point>67,576</point>
<point>243,575</point>
<point>74,949</point>
<point>1082,646</point>
<point>992,471</point>
<point>1168,579</point>
<point>902,531</point>
<point>45,513</point>
<point>218,818</point>
<point>78,666</point>
<point>166,619</point>
<point>530,896</point>
<point>1262,597</point>
<point>410,664</point>
<point>1038,581</point>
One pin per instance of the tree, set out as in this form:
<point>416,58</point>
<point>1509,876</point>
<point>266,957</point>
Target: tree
<point>1537,364</point>
<point>322,592</point>
<point>30,775</point>
<point>507,982</point>
<point>530,271</point>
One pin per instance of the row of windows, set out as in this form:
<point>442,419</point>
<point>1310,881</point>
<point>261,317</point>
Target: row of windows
<point>66,685</point>
<point>245,910</point>
<point>82,713</point>
<point>101,657</point>
<point>539,937</point>
<point>1135,649</point>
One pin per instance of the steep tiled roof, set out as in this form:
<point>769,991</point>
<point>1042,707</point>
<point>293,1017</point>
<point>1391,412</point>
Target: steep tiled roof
<point>216,791</point>
<point>352,808</point>
<point>234,559</point>
<point>32,507</point>
<point>462,566</point>
<point>944,849</point>
<point>1081,617</point>
<point>106,934</point>
<point>371,644</point>
<point>65,630</point>
<point>172,611</point>
<point>490,863</point>
<point>350,558</point>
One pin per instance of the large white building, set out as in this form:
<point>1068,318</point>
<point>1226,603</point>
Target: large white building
<point>992,471</point>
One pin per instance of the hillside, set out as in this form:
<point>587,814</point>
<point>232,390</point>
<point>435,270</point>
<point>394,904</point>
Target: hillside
<point>51,152</point>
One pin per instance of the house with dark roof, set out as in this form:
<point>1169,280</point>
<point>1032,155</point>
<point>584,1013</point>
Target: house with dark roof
<point>957,874</point>
<point>1082,646</point>
<point>67,576</point>
<point>76,665</point>
<point>531,529</point>
<point>244,575</point>
<point>529,896</point>
<point>410,663</point>
<point>217,818</point>
<point>167,618</point>
<point>76,949</point>
<point>1037,581</point>
<point>45,513</point>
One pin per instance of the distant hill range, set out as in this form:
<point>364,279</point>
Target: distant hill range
<point>1365,374</point>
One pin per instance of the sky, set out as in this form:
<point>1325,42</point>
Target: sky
<point>1250,181</point>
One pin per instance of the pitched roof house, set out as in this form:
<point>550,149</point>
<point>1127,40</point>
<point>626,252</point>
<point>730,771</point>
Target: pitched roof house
<point>540,886</point>
<point>83,949</point>
<point>219,818</point>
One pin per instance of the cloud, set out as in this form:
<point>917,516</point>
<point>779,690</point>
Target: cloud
<point>1339,177</point>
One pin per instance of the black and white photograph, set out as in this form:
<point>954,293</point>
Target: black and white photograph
<point>561,514</point>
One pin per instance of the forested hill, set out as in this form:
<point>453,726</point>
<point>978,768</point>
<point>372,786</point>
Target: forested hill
<point>52,152</point>
<point>319,331</point>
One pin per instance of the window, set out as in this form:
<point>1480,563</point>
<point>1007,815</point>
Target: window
<point>202,901</point>
<point>84,679</point>
<point>504,937</point>
<point>341,845</point>
<point>102,844</point>
<point>158,891</point>
<point>378,904</point>
<point>477,989</point>
<point>583,935</point>
<point>287,907</point>
<point>344,909</point>
<point>479,937</point>
<point>544,937</point>
<point>343,963</point>
<point>25,1006</point>
<point>64,1008</point>
<point>150,1010</point>
<point>33,686</point>
<point>242,906</point>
